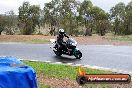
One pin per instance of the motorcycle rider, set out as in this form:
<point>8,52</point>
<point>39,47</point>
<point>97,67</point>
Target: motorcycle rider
<point>60,40</point>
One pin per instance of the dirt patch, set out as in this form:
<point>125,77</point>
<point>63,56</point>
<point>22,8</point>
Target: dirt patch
<point>121,85</point>
<point>90,40</point>
<point>57,83</point>
<point>67,83</point>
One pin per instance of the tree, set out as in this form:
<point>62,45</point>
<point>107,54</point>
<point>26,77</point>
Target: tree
<point>118,16</point>
<point>2,23</point>
<point>128,19</point>
<point>28,18</point>
<point>11,22</point>
<point>49,16</point>
<point>61,14</point>
<point>85,15</point>
<point>100,20</point>
<point>67,12</point>
<point>93,18</point>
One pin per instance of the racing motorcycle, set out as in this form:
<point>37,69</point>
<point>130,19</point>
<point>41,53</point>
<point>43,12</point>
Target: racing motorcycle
<point>70,49</point>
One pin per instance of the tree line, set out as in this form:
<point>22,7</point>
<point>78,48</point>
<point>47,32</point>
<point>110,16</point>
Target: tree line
<point>77,18</point>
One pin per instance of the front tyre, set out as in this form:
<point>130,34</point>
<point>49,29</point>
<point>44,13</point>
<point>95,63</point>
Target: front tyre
<point>78,54</point>
<point>58,53</point>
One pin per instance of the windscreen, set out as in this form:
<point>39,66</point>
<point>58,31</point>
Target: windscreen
<point>70,40</point>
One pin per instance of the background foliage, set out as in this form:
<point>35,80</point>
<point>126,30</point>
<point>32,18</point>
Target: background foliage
<point>77,18</point>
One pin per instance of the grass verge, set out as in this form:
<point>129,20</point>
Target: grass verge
<point>34,41</point>
<point>127,38</point>
<point>62,72</point>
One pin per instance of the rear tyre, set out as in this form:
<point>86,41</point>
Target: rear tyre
<point>78,54</point>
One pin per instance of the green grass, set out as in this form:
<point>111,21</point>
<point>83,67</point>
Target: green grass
<point>127,38</point>
<point>61,71</point>
<point>28,41</point>
<point>64,71</point>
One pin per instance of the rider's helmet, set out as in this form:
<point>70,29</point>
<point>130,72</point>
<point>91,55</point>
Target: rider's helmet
<point>61,31</point>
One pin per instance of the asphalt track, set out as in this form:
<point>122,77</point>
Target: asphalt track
<point>108,56</point>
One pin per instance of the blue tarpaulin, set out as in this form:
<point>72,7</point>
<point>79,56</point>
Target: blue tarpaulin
<point>13,74</point>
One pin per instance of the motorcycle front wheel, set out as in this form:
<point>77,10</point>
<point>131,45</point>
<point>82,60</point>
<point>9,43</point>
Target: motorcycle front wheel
<point>58,53</point>
<point>78,54</point>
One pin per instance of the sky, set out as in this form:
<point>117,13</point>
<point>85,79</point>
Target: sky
<point>7,5</point>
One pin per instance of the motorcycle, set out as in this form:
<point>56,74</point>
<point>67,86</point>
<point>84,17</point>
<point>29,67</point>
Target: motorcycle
<point>70,49</point>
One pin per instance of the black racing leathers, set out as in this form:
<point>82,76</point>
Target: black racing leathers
<point>60,40</point>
